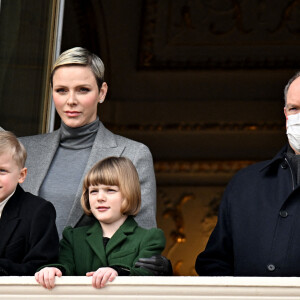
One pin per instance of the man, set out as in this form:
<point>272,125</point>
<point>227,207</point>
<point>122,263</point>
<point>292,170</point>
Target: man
<point>258,229</point>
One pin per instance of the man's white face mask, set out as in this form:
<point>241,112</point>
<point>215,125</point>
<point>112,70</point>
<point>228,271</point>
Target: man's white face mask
<point>293,131</point>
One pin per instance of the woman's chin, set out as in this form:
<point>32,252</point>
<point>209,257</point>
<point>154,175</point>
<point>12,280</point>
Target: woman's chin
<point>74,123</point>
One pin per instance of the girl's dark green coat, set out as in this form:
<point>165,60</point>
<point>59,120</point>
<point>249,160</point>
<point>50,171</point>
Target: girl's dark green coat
<point>82,249</point>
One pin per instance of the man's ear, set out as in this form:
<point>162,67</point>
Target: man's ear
<point>23,174</point>
<point>285,112</point>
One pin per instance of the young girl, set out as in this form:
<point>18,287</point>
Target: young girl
<point>111,246</point>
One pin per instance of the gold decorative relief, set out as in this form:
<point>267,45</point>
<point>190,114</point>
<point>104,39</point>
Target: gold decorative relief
<point>173,210</point>
<point>220,34</point>
<point>187,216</point>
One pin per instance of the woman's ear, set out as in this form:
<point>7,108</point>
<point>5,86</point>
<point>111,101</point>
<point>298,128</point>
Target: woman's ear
<point>103,92</point>
<point>23,174</point>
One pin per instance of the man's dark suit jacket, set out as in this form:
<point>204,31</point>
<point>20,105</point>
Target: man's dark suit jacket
<point>28,234</point>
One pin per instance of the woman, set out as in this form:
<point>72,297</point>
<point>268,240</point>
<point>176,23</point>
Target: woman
<point>57,162</point>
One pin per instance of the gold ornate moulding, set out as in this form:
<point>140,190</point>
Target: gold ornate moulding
<point>205,126</point>
<point>198,173</point>
<point>228,166</point>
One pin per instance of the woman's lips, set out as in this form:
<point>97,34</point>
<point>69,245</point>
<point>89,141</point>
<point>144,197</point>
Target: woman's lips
<point>72,114</point>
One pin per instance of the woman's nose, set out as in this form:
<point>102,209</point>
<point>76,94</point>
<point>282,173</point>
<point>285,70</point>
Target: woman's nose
<point>72,99</point>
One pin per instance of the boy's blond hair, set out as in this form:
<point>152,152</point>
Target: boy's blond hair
<point>10,144</point>
<point>117,171</point>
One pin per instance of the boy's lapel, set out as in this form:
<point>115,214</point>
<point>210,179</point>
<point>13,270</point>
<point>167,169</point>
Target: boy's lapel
<point>9,220</point>
<point>121,235</point>
<point>94,239</point>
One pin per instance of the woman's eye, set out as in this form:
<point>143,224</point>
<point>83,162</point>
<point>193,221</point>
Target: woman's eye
<point>93,191</point>
<point>61,91</point>
<point>2,171</point>
<point>84,90</point>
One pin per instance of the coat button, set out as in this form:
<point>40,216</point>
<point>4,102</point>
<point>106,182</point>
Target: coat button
<point>283,213</point>
<point>271,267</point>
<point>284,165</point>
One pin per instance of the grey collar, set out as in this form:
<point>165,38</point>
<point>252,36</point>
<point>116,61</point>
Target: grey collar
<point>80,137</point>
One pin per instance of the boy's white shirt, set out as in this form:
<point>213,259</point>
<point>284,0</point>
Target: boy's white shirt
<point>2,204</point>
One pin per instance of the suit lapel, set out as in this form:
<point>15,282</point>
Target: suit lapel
<point>10,218</point>
<point>44,153</point>
<point>94,239</point>
<point>105,145</point>
<point>121,234</point>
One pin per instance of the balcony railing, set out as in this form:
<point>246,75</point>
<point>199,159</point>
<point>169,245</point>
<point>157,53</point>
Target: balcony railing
<point>165,288</point>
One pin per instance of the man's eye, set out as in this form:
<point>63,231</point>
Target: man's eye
<point>291,108</point>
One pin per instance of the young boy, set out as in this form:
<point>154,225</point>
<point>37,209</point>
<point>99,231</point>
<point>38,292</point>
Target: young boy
<point>28,234</point>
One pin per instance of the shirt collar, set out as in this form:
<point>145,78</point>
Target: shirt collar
<point>2,204</point>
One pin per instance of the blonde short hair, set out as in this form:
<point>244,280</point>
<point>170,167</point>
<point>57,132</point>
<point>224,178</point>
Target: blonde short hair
<point>118,171</point>
<point>10,144</point>
<point>83,57</point>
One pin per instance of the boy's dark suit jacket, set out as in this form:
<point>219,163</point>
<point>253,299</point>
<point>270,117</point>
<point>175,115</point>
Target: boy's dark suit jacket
<point>28,234</point>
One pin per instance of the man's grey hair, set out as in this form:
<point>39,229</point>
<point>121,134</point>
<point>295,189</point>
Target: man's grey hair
<point>286,89</point>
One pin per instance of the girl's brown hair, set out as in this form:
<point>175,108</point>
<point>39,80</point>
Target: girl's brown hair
<point>118,171</point>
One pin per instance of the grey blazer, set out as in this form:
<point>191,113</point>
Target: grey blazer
<point>41,150</point>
